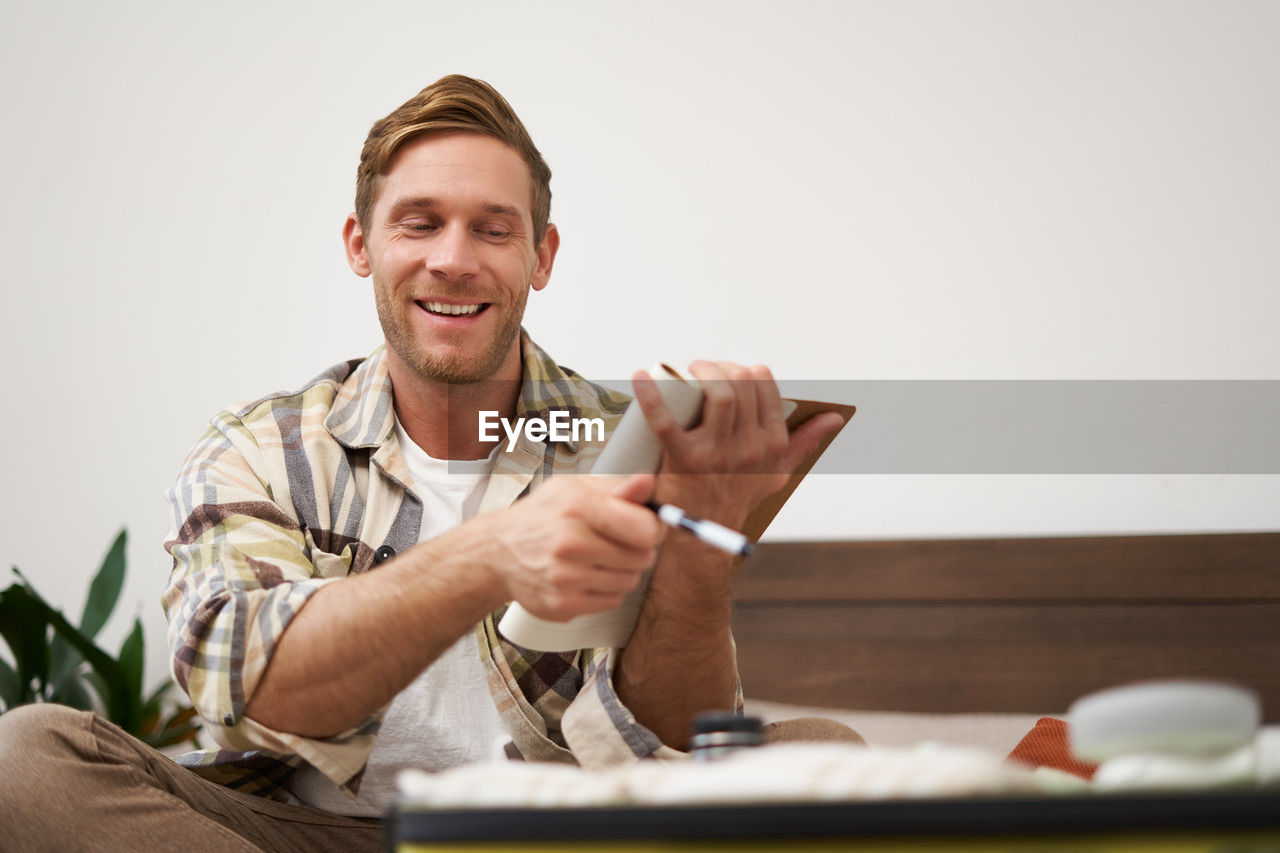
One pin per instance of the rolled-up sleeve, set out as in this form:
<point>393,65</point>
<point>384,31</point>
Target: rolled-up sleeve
<point>601,731</point>
<point>242,569</point>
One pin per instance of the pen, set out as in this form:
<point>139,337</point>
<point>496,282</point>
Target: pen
<point>708,531</point>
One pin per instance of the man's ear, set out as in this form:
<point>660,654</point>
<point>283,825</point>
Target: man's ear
<point>546,257</point>
<point>353,242</point>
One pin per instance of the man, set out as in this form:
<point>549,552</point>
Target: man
<point>341,553</point>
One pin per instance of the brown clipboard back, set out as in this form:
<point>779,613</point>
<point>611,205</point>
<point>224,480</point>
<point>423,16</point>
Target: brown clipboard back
<point>762,516</point>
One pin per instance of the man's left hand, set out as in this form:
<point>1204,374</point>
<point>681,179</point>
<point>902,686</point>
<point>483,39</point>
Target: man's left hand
<point>739,453</point>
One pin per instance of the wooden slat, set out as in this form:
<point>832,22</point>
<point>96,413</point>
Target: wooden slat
<point>1177,567</point>
<point>997,657</point>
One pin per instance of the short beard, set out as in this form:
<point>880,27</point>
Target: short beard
<point>451,371</point>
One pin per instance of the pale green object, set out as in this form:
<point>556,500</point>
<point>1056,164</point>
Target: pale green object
<point>1162,772</point>
<point>1188,718</point>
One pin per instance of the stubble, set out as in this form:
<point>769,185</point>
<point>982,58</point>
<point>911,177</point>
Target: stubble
<point>459,370</point>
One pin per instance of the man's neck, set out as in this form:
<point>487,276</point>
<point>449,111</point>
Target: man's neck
<point>444,419</point>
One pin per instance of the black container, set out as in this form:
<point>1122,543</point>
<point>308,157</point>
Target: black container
<point>720,733</point>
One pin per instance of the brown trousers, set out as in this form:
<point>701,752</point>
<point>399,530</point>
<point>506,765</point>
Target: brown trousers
<point>70,780</point>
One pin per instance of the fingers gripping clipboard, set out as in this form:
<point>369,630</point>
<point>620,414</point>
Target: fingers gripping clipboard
<point>633,448</point>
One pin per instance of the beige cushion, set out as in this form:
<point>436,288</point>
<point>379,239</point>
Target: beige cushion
<point>996,732</point>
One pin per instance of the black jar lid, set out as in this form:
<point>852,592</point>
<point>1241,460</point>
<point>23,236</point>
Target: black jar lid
<point>726,721</point>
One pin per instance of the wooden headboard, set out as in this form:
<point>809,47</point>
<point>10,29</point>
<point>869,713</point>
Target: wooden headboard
<point>1024,625</point>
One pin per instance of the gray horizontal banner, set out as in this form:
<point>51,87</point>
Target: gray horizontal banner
<point>1050,426</point>
<point>993,426</point>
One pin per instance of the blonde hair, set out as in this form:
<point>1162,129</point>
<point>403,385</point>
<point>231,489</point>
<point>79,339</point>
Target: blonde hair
<point>452,104</point>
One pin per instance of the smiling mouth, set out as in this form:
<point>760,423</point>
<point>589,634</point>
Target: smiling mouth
<point>444,309</point>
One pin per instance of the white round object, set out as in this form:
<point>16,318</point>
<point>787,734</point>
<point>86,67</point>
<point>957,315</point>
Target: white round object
<point>1172,717</point>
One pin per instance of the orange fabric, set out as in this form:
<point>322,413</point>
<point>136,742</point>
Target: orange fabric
<point>1047,745</point>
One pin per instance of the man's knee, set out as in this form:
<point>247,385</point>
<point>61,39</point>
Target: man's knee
<point>40,742</point>
<point>810,730</point>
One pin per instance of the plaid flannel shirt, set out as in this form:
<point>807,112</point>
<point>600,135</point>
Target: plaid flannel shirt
<point>297,490</point>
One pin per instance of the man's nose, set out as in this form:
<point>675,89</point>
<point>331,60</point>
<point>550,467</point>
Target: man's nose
<point>453,253</point>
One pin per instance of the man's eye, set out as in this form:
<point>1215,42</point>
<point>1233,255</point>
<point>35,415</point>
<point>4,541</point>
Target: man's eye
<point>419,226</point>
<point>497,233</point>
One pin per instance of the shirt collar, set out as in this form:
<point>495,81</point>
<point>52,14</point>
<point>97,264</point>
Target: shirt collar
<point>363,415</point>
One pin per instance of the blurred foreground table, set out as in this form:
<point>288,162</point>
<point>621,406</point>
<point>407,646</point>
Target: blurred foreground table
<point>1183,823</point>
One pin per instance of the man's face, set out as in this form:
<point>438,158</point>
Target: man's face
<point>450,251</point>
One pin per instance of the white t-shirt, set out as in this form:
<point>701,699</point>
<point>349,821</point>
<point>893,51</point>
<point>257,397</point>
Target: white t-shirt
<point>446,716</point>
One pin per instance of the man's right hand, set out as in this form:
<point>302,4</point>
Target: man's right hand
<point>576,545</point>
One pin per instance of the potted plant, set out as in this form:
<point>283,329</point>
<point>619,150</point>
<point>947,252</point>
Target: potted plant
<point>55,661</point>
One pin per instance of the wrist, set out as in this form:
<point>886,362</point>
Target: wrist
<point>462,560</point>
<point>693,574</point>
<point>728,502</point>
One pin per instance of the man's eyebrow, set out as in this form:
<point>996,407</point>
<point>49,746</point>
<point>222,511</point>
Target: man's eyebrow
<point>502,210</point>
<point>403,205</point>
<point>427,202</point>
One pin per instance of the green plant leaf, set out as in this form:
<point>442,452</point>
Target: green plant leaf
<point>154,704</point>
<point>182,716</point>
<point>24,624</point>
<point>181,725</point>
<point>104,591</point>
<point>131,662</point>
<point>99,685</point>
<point>113,687</point>
<point>63,660</point>
<point>68,666</point>
<point>74,692</point>
<point>171,736</point>
<point>10,686</point>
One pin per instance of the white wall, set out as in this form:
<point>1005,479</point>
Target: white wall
<point>860,190</point>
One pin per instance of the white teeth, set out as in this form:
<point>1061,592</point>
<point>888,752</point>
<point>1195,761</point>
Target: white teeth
<point>442,308</point>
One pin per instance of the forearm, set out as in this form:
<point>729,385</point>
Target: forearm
<point>680,659</point>
<point>576,546</point>
<point>359,641</point>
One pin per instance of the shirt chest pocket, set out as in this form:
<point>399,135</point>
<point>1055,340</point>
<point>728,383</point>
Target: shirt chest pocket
<point>330,554</point>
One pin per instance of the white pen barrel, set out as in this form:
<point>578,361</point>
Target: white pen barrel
<point>721,537</point>
<point>671,515</point>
